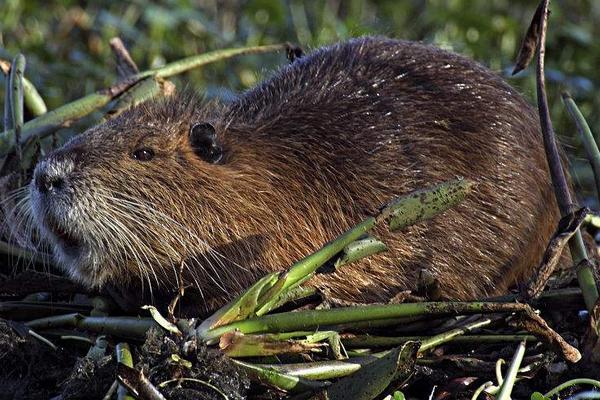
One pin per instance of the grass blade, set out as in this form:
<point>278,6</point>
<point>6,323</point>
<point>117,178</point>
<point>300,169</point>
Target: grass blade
<point>511,374</point>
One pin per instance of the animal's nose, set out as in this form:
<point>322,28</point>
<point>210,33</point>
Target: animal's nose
<point>49,178</point>
<point>47,183</point>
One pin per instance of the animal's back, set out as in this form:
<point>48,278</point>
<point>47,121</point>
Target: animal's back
<point>348,127</point>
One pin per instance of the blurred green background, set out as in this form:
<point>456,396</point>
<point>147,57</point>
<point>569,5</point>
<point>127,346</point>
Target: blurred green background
<point>66,42</point>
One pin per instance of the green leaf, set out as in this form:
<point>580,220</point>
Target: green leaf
<point>372,379</point>
<point>398,396</point>
<point>271,377</point>
<point>360,249</point>
<point>538,396</point>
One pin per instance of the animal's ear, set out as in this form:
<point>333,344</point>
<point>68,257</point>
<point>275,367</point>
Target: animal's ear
<point>293,52</point>
<point>203,139</point>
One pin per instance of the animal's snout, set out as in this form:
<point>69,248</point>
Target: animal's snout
<point>51,176</point>
<point>48,183</point>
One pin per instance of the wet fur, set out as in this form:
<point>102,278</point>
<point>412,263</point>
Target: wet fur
<point>307,154</point>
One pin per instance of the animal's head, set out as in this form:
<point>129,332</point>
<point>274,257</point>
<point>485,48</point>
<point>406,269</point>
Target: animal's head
<point>132,196</point>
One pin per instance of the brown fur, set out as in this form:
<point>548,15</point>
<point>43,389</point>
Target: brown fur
<point>311,152</point>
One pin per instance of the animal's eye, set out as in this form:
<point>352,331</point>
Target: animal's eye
<point>144,154</point>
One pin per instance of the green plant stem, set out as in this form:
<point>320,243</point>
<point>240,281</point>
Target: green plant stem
<point>369,341</point>
<point>511,374</point>
<point>119,326</point>
<point>48,122</point>
<point>162,321</point>
<point>15,79</point>
<point>7,117</point>
<point>241,307</point>
<point>124,357</point>
<point>585,275</point>
<point>380,323</point>
<point>78,338</point>
<point>143,90</point>
<point>444,337</point>
<point>480,389</point>
<point>43,339</point>
<point>188,63</point>
<point>311,319</point>
<point>572,382</point>
<point>33,100</point>
<point>589,143</point>
<point>16,87</point>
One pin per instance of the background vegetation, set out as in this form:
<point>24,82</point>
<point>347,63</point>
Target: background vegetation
<point>66,41</point>
<point>66,45</point>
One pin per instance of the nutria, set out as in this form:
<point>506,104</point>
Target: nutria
<point>229,192</point>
